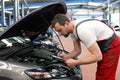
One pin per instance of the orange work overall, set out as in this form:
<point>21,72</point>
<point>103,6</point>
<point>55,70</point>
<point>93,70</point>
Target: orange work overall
<point>106,69</point>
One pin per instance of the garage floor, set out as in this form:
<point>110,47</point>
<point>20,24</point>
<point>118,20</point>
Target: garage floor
<point>88,71</point>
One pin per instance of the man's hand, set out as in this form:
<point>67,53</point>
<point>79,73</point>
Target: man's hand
<point>71,62</point>
<point>62,55</point>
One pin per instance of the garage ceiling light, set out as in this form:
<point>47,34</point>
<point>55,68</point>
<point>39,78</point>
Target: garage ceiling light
<point>6,0</point>
<point>94,4</point>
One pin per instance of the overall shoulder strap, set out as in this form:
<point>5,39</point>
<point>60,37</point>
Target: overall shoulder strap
<point>89,20</point>
<point>79,24</point>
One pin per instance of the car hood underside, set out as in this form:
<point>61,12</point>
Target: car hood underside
<point>36,21</point>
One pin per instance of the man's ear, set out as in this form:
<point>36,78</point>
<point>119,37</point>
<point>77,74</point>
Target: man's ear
<point>66,23</point>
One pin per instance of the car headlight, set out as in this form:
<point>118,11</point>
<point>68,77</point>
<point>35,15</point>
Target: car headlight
<point>38,74</point>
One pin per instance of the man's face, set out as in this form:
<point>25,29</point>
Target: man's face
<point>62,30</point>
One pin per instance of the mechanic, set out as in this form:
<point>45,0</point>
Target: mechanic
<point>98,37</point>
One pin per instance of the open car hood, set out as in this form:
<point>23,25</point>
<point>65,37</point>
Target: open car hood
<point>38,20</point>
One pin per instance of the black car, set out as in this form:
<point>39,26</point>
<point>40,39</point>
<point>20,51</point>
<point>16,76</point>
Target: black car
<point>26,53</point>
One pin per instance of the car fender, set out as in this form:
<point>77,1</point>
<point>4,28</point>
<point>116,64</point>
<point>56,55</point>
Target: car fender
<point>10,75</point>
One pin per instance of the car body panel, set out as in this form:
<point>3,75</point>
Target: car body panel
<point>14,70</point>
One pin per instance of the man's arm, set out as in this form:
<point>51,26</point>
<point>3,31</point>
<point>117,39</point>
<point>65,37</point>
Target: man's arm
<point>95,55</point>
<point>76,51</point>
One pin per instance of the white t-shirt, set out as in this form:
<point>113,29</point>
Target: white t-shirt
<point>91,31</point>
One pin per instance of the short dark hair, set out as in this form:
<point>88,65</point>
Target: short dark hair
<point>60,18</point>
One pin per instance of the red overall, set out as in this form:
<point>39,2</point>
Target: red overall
<point>106,69</point>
